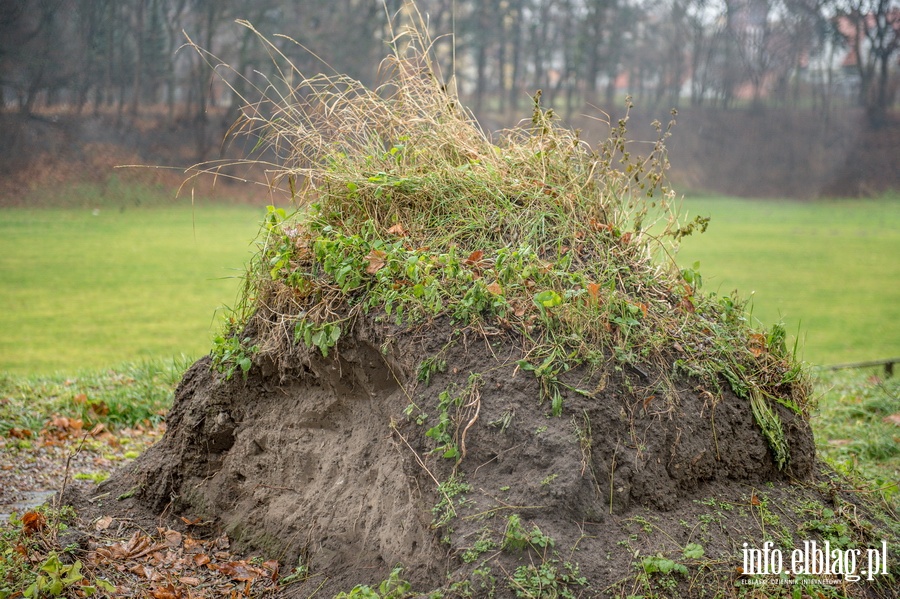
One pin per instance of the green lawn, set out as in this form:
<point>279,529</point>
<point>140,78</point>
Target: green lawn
<point>83,288</point>
<point>828,269</point>
<point>142,278</point>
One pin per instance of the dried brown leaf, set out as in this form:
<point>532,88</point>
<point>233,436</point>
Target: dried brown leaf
<point>893,419</point>
<point>103,523</point>
<point>201,559</point>
<point>173,538</point>
<point>397,230</point>
<point>376,260</point>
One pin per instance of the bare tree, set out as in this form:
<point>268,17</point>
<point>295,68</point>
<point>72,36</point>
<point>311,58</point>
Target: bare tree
<point>872,33</point>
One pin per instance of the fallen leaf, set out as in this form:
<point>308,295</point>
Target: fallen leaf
<point>201,559</point>
<point>167,592</point>
<point>142,570</point>
<point>273,566</point>
<point>99,408</point>
<point>222,542</point>
<point>239,570</point>
<point>103,523</point>
<point>62,427</point>
<point>173,538</point>
<point>191,581</point>
<point>137,546</point>
<point>893,419</point>
<point>600,226</point>
<point>397,230</point>
<point>474,258</point>
<point>757,344</point>
<point>376,260</point>
<point>33,522</point>
<point>193,545</point>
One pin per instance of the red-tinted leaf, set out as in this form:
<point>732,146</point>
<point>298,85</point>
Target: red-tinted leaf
<point>33,522</point>
<point>475,257</point>
<point>20,433</point>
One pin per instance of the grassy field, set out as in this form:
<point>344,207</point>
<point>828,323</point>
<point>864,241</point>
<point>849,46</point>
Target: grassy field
<point>134,275</point>
<point>88,287</point>
<point>828,269</point>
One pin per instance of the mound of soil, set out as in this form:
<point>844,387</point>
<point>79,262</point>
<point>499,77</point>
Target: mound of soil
<point>331,462</point>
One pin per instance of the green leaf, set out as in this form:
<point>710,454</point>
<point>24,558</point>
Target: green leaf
<point>547,299</point>
<point>693,551</point>
<point>334,335</point>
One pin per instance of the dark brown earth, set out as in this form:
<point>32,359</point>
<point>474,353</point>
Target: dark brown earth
<point>314,460</point>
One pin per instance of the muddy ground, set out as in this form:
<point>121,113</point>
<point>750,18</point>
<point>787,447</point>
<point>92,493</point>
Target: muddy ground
<point>338,464</point>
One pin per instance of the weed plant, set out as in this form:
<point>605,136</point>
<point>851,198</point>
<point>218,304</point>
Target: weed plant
<point>407,211</point>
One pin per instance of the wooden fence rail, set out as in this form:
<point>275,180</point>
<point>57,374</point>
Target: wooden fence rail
<point>888,364</point>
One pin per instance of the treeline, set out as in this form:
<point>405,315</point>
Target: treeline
<point>127,54</point>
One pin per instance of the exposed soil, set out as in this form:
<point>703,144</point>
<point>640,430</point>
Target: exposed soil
<point>313,460</point>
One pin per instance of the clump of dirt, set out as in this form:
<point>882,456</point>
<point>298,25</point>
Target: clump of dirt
<point>468,360</point>
<point>334,465</point>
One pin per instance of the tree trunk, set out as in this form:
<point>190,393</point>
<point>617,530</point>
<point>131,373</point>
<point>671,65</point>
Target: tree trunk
<point>139,58</point>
